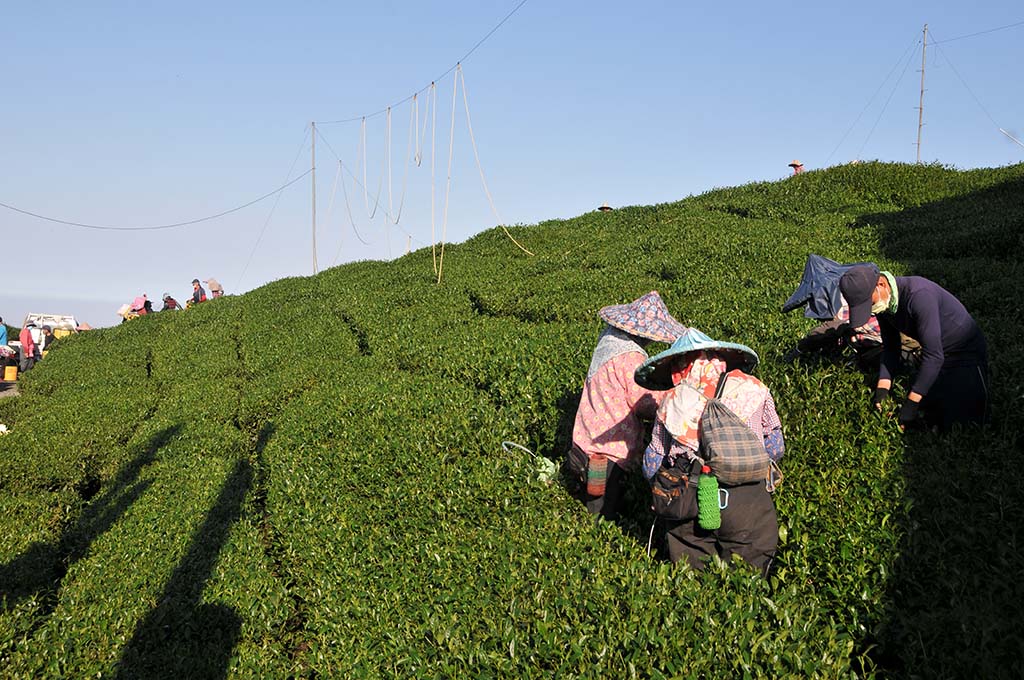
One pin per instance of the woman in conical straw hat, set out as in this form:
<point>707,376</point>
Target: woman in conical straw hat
<point>608,435</point>
<point>690,370</point>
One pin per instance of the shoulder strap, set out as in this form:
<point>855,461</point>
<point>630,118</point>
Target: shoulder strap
<point>721,384</point>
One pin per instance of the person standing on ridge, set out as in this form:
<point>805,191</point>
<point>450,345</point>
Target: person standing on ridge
<point>198,294</point>
<point>608,435</point>
<point>169,303</point>
<point>951,385</point>
<point>216,290</point>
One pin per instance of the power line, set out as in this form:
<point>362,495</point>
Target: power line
<point>156,227</point>
<point>886,105</point>
<point>971,35</point>
<point>424,89</point>
<point>974,96</point>
<point>872,99</point>
<point>355,180</point>
<point>273,208</point>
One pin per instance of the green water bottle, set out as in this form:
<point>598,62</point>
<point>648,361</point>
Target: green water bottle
<point>709,515</point>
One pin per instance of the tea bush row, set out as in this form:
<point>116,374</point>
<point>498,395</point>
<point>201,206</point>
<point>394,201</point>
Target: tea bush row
<point>309,479</point>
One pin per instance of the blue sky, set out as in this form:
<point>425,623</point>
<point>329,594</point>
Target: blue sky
<point>140,114</point>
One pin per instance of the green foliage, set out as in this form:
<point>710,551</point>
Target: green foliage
<point>308,480</point>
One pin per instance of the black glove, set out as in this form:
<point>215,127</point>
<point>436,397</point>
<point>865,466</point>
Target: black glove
<point>881,394</point>
<point>909,412</point>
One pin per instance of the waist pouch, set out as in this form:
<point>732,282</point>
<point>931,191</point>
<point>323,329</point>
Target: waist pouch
<point>576,462</point>
<point>674,489</point>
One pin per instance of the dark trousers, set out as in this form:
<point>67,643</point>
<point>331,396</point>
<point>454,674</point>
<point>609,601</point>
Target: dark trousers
<point>823,337</point>
<point>960,394</point>
<point>749,529</point>
<point>577,465</point>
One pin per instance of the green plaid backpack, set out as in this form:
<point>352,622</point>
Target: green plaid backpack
<point>728,446</point>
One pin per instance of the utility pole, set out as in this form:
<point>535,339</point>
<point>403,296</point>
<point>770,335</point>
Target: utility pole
<point>920,106</point>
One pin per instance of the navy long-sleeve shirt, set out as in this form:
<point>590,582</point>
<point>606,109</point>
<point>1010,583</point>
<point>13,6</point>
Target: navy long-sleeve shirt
<point>931,315</point>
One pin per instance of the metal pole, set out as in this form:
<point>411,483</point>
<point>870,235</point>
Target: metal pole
<point>313,124</point>
<point>920,106</point>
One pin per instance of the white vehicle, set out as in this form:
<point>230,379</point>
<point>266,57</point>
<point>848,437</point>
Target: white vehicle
<point>62,325</point>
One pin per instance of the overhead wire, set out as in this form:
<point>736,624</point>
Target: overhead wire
<point>433,154</point>
<point>291,168</point>
<point>886,105</point>
<point>175,225</point>
<point>408,158</point>
<point>348,207</point>
<point>968,87</point>
<point>972,35</point>
<point>448,185</point>
<point>916,41</point>
<point>476,155</point>
<point>387,163</point>
<point>440,77</point>
<point>421,133</point>
<point>380,183</point>
<point>334,193</point>
<point>356,183</point>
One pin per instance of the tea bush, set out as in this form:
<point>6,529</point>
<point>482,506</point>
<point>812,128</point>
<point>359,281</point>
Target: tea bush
<point>308,480</point>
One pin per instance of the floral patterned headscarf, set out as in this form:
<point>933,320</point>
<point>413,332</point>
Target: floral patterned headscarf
<point>696,382</point>
<point>701,373</point>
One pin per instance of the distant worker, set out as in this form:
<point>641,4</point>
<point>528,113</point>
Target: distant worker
<point>139,305</point>
<point>3,332</point>
<point>28,347</point>
<point>37,339</point>
<point>797,166</point>
<point>198,294</point>
<point>608,435</point>
<point>216,290</point>
<point>49,339</point>
<point>951,385</point>
<point>605,208</point>
<point>169,303</point>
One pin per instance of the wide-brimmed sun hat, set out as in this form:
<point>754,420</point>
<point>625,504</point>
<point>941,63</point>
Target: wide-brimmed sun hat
<point>795,163</point>
<point>656,372</point>
<point>138,303</point>
<point>645,317</point>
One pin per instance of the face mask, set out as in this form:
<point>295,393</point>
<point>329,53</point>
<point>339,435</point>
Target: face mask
<point>881,305</point>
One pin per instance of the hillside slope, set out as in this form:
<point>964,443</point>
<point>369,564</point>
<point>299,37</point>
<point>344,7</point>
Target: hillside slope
<point>308,480</point>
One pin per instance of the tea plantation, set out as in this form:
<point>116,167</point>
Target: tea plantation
<point>308,480</point>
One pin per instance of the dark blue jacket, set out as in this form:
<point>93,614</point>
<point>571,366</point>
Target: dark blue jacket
<point>931,315</point>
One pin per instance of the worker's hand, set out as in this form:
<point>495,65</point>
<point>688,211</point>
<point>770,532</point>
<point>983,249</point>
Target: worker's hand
<point>881,394</point>
<point>909,413</point>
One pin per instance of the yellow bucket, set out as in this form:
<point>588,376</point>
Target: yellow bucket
<point>10,373</point>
